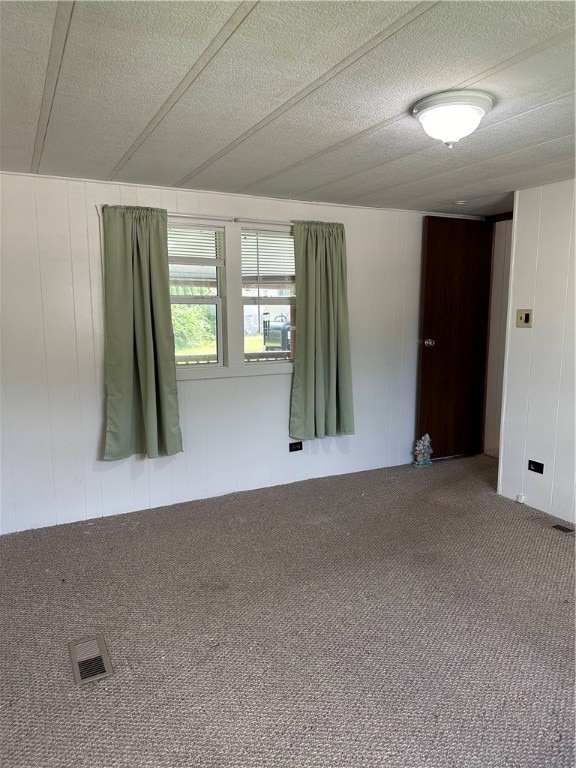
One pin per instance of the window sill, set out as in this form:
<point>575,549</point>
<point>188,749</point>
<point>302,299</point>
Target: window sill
<point>192,373</point>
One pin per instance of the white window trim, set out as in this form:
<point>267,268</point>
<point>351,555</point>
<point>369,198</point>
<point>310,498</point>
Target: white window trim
<point>212,371</point>
<point>232,332</point>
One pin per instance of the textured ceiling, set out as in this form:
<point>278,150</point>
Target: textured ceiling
<point>305,100</point>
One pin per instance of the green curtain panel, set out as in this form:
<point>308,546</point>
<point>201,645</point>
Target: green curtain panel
<point>141,395</point>
<point>322,403</point>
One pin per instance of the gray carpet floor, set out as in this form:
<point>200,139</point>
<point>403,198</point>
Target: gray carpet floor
<point>400,617</point>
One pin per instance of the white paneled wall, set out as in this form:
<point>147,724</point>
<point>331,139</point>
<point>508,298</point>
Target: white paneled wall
<point>501,251</point>
<point>538,417</point>
<point>235,429</point>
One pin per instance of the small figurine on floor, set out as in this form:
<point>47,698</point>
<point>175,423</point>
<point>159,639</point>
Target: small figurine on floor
<point>422,452</point>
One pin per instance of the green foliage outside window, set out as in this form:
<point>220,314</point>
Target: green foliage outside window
<point>194,325</point>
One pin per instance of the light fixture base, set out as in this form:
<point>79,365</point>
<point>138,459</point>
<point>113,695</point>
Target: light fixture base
<point>474,98</point>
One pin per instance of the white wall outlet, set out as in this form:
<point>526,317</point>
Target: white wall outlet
<point>524,318</point>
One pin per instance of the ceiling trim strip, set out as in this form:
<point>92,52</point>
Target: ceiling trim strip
<point>454,191</point>
<point>352,58</point>
<point>59,36</point>
<point>433,147</point>
<point>465,167</point>
<point>566,35</point>
<point>239,15</point>
<point>505,64</point>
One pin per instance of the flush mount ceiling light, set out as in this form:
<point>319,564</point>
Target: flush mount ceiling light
<point>451,115</point>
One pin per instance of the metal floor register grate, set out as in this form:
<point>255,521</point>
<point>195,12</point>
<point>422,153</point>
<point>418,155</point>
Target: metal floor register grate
<point>563,528</point>
<point>90,659</point>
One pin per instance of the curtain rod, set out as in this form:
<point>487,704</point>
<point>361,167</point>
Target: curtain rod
<point>237,219</point>
<point>240,220</point>
<point>206,217</point>
<point>188,216</point>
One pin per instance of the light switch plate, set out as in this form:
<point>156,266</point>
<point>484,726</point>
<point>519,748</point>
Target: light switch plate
<point>524,318</point>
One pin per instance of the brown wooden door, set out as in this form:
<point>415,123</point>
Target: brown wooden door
<point>456,264</point>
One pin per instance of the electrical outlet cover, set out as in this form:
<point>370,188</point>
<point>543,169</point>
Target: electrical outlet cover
<point>523,318</point>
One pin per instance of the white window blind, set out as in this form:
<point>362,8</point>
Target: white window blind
<point>268,290</point>
<point>196,263</point>
<point>267,257</point>
<point>186,242</point>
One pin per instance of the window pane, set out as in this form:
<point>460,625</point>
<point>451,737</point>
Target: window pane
<point>191,241</point>
<point>277,290</point>
<point>267,264</point>
<point>193,280</point>
<point>195,333</point>
<point>195,324</point>
<point>269,332</point>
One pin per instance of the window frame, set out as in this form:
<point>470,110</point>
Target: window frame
<point>220,264</point>
<point>231,327</point>
<point>271,301</point>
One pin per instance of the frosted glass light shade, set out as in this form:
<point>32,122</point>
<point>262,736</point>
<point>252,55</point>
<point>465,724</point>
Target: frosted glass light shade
<point>451,123</point>
<point>452,115</point>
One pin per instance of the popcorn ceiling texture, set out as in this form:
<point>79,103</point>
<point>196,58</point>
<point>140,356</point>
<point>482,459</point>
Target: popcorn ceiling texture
<point>401,617</point>
<point>306,100</point>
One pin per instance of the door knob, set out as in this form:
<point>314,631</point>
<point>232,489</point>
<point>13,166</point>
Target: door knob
<point>429,343</point>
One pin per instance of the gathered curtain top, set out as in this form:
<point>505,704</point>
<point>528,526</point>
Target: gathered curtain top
<point>136,211</point>
<point>326,226</point>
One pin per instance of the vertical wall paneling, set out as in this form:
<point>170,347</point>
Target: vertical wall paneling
<point>221,438</point>
<point>24,374</point>
<point>411,327</point>
<point>538,419</point>
<point>128,195</point>
<point>362,232</point>
<point>53,221</point>
<point>291,466</point>
<point>497,335</point>
<point>187,201</point>
<point>169,200</point>
<point>179,480</point>
<point>194,416</point>
<point>547,339</point>
<point>89,423</point>
<point>139,468</point>
<point>7,503</point>
<point>398,338</point>
<point>383,337</point>
<point>518,355</point>
<point>96,196</point>
<point>563,488</point>
<point>406,334</point>
<point>262,431</point>
<point>235,430</point>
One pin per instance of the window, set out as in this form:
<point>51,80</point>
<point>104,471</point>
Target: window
<point>268,296</point>
<point>232,290</point>
<point>196,265</point>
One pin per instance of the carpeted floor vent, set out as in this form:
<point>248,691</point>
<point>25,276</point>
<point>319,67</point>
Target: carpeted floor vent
<point>393,618</point>
<point>90,659</point>
<point>563,528</point>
